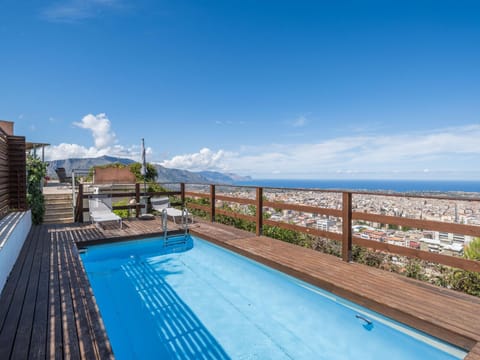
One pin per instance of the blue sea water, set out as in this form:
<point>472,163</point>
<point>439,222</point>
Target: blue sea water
<point>371,185</point>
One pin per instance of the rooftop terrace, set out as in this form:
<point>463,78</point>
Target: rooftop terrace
<point>48,310</point>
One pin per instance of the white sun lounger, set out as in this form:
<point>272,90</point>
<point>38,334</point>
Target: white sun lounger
<point>100,210</point>
<point>161,203</point>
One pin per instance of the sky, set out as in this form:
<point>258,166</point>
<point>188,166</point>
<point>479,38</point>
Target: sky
<point>271,89</point>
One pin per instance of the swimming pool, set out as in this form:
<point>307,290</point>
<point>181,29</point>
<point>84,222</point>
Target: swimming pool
<point>205,302</point>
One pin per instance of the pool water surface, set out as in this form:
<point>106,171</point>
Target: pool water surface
<point>205,302</point>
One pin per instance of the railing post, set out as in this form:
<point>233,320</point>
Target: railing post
<point>347,227</point>
<point>259,219</point>
<point>212,203</point>
<point>137,199</point>
<point>182,195</point>
<point>79,204</point>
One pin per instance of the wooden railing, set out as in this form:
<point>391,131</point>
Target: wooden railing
<point>346,213</point>
<point>80,209</point>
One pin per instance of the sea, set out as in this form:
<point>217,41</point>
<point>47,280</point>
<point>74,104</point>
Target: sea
<point>401,186</point>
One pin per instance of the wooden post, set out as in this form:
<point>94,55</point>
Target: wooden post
<point>347,227</point>
<point>212,203</point>
<point>137,199</point>
<point>182,195</point>
<point>80,203</point>
<point>259,220</point>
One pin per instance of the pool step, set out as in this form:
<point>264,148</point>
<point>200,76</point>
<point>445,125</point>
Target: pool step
<point>181,240</point>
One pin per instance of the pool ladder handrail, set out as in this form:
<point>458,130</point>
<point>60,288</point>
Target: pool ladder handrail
<point>185,220</point>
<point>165,223</point>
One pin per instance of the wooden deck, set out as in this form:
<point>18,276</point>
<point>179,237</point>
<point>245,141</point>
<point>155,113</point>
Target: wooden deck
<point>47,308</point>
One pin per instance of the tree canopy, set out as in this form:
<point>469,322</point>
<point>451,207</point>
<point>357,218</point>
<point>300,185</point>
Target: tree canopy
<point>150,176</point>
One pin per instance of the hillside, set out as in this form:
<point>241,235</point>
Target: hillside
<point>164,174</point>
<point>83,164</point>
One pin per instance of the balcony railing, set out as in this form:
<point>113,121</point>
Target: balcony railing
<point>257,199</point>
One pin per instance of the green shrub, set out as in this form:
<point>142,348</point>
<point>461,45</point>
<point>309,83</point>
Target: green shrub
<point>123,213</point>
<point>466,281</point>
<point>368,257</point>
<point>36,171</point>
<point>327,246</point>
<point>415,269</point>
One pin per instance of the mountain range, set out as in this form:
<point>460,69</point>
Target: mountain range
<point>164,174</point>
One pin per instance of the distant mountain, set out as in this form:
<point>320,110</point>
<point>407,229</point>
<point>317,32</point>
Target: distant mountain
<point>177,175</point>
<point>83,164</point>
<point>164,174</point>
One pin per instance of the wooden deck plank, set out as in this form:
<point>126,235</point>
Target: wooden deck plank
<point>71,346</point>
<point>86,340</point>
<point>474,354</point>
<point>38,343</point>
<point>10,326</point>
<point>12,281</point>
<point>94,322</point>
<point>54,330</point>
<point>25,325</point>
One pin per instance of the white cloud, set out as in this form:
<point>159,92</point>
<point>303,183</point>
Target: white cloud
<point>104,139</point>
<point>100,127</point>
<point>65,151</point>
<point>205,159</point>
<point>444,151</point>
<point>78,10</point>
<point>439,153</point>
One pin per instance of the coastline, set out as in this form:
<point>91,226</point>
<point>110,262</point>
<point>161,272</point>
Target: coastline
<point>436,187</point>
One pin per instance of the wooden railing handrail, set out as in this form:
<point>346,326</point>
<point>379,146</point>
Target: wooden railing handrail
<point>238,200</point>
<point>197,194</point>
<point>133,194</point>
<point>458,262</point>
<point>303,208</point>
<point>463,229</point>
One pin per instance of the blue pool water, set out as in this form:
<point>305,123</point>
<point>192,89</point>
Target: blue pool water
<point>209,303</point>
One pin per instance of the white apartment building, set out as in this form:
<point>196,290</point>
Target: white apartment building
<point>325,224</point>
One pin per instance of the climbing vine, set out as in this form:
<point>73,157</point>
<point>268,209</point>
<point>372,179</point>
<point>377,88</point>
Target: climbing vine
<point>36,171</point>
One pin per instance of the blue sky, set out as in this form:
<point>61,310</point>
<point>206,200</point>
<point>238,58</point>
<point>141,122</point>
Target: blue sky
<point>272,89</point>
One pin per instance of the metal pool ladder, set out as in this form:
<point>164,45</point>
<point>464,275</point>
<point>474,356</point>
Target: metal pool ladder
<point>184,223</point>
<point>165,224</point>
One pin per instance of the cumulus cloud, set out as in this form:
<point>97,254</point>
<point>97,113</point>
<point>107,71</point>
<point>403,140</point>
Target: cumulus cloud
<point>437,153</point>
<point>105,142</point>
<point>441,151</point>
<point>205,159</point>
<point>100,127</point>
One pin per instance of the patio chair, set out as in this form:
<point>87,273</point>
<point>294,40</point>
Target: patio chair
<point>62,176</point>
<point>100,210</point>
<point>160,203</point>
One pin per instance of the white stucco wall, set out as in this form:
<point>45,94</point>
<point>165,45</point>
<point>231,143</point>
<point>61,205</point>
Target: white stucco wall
<point>12,246</point>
